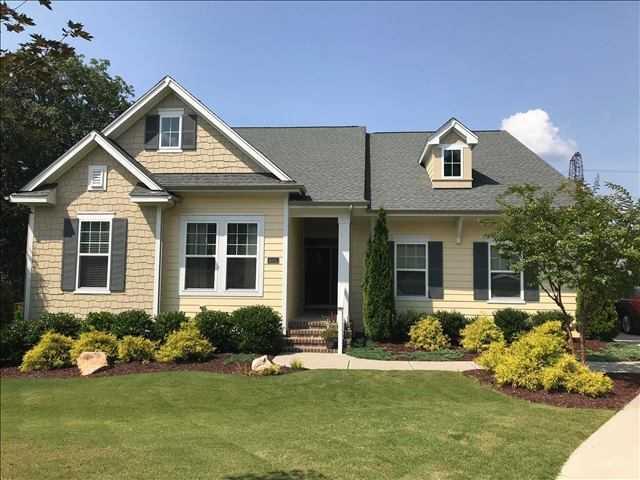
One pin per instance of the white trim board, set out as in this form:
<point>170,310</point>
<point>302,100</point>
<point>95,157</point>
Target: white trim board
<point>168,83</point>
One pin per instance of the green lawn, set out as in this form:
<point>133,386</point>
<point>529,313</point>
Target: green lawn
<point>311,425</point>
<point>376,352</point>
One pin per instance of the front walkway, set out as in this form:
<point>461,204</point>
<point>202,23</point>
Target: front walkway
<point>612,452</point>
<point>333,361</point>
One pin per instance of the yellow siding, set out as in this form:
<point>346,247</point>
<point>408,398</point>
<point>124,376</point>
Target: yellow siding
<point>295,269</point>
<point>434,164</point>
<point>270,206</point>
<point>213,154</point>
<point>73,198</point>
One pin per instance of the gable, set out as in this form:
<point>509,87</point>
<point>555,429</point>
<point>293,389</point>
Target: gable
<point>214,153</point>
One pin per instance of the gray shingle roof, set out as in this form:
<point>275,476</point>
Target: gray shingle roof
<point>188,181</point>
<point>328,161</point>
<point>499,160</point>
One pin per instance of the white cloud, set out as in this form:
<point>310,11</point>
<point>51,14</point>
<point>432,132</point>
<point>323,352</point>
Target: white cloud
<point>535,129</point>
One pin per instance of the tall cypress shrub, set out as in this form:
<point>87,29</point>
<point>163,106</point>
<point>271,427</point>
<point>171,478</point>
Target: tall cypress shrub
<point>378,302</point>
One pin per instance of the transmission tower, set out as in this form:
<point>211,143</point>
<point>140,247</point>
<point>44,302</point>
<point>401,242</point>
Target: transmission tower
<point>576,172</point>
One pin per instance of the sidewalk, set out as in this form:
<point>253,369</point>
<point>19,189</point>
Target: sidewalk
<point>612,452</point>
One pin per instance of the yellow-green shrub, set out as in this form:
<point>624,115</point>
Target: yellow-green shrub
<point>95,341</point>
<point>136,349</point>
<point>479,334</point>
<point>268,371</point>
<point>185,344</point>
<point>569,374</point>
<point>427,335</point>
<point>52,351</point>
<point>492,356</point>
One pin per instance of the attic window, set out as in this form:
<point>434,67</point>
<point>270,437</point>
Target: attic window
<point>97,177</point>
<point>170,130</point>
<point>452,162</point>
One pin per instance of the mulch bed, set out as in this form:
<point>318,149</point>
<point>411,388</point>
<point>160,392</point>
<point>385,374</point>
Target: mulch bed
<point>626,386</point>
<point>402,348</point>
<point>215,365</point>
<point>593,345</point>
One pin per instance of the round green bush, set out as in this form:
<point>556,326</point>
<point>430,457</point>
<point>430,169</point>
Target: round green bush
<point>52,351</point>
<point>480,333</point>
<point>545,316</point>
<point>136,349</point>
<point>600,314</point>
<point>62,323</point>
<point>427,335</point>
<point>133,322</point>
<point>168,322</point>
<point>259,329</point>
<point>402,323</point>
<point>512,322</point>
<point>95,342</point>
<point>219,328</point>
<point>100,321</point>
<point>452,324</point>
<point>184,345</point>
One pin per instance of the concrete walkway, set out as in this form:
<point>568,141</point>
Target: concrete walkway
<point>616,367</point>
<point>612,452</point>
<point>333,361</point>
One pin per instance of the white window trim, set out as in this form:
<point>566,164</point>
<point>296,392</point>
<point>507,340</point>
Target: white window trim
<point>170,113</point>
<point>518,299</point>
<point>220,289</point>
<point>460,148</point>
<point>411,241</point>
<point>106,217</point>
<point>103,170</point>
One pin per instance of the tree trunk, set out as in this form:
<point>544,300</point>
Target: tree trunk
<point>583,330</point>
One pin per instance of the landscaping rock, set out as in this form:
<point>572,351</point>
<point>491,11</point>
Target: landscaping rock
<point>261,363</point>
<point>90,362</point>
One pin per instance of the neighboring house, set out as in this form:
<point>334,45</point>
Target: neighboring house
<point>169,208</point>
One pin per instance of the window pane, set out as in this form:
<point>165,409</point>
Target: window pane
<point>94,237</point>
<point>448,170</point>
<point>498,262</point>
<point>456,170</point>
<point>242,238</point>
<point>201,239</point>
<point>505,285</point>
<point>411,256</point>
<point>411,284</point>
<point>200,272</point>
<point>241,273</point>
<point>93,271</point>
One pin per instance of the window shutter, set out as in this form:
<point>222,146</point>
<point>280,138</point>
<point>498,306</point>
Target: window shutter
<point>392,255</point>
<point>435,270</point>
<point>531,289</point>
<point>69,254</point>
<point>480,270</point>
<point>152,132</point>
<point>189,129</point>
<point>118,254</point>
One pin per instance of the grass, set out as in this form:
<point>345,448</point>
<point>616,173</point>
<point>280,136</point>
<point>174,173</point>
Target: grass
<point>375,352</point>
<point>616,352</point>
<point>312,425</point>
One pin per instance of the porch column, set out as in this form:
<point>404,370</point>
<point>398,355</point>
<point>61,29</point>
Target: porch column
<point>344,227</point>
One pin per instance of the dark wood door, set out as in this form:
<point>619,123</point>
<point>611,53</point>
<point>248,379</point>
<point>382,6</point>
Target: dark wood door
<point>321,276</point>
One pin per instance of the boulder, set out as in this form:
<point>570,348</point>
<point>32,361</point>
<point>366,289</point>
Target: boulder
<point>91,362</point>
<point>261,363</point>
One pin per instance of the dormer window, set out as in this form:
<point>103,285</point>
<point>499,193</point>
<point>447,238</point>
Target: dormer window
<point>170,129</point>
<point>452,162</point>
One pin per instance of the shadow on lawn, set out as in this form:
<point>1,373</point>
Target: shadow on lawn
<point>280,475</point>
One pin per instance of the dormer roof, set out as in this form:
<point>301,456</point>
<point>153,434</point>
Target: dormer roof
<point>453,124</point>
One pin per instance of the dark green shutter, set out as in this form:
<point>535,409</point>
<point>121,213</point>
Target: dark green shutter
<point>152,132</point>
<point>392,255</point>
<point>118,254</point>
<point>69,254</point>
<point>435,269</point>
<point>189,129</point>
<point>480,270</point>
<point>531,288</point>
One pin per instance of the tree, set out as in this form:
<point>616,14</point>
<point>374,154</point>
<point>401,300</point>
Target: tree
<point>377,285</point>
<point>574,238</point>
<point>50,99</point>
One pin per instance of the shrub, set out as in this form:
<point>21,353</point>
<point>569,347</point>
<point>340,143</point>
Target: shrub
<point>427,335</point>
<point>136,349</point>
<point>512,322</point>
<point>95,341</point>
<point>100,321</point>
<point>492,356</point>
<point>133,322</point>
<point>402,323</point>
<point>52,351</point>
<point>184,345</point>
<point>601,316</point>
<point>259,329</point>
<point>273,369</point>
<point>452,323</point>
<point>296,364</point>
<point>219,329</point>
<point>166,323</point>
<point>545,316</point>
<point>480,333</point>
<point>573,376</point>
<point>63,323</point>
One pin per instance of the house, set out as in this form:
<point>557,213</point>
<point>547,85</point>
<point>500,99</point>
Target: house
<point>169,208</point>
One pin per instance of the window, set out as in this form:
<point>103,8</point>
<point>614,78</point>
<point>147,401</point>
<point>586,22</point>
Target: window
<point>452,162</point>
<point>97,177</point>
<point>242,255</point>
<point>93,254</point>
<point>504,282</point>
<point>222,255</point>
<point>411,269</point>
<point>200,262</point>
<point>170,130</point>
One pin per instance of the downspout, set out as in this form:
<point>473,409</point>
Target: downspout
<point>26,308</point>
<point>157,263</point>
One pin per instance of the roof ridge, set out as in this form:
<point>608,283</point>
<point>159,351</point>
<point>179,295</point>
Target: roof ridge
<point>303,126</point>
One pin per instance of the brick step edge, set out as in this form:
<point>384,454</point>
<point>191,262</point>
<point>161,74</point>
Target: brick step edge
<point>305,325</point>
<point>305,332</point>
<point>306,340</point>
<point>308,349</point>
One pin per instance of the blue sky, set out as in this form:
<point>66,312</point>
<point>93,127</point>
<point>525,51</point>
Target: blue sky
<point>571,70</point>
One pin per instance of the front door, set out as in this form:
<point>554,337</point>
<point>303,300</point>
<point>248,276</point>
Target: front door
<point>321,276</point>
